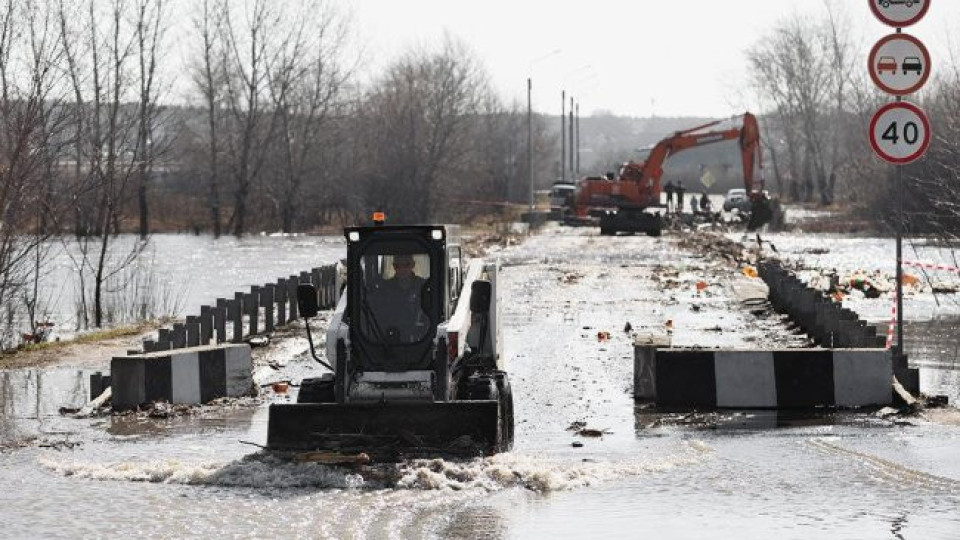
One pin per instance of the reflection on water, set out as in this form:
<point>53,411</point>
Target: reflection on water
<point>30,400</point>
<point>647,419</point>
<point>934,347</point>
<point>479,522</point>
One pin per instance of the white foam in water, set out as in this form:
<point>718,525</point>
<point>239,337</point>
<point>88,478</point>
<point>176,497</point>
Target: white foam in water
<point>256,470</point>
<point>533,472</point>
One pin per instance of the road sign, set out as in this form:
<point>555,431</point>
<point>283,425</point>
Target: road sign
<point>899,13</point>
<point>899,64</point>
<point>900,132</point>
<point>707,178</point>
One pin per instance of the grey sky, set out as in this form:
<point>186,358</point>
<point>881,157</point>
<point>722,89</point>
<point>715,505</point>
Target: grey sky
<point>663,57</point>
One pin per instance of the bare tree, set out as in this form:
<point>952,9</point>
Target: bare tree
<point>248,49</point>
<point>305,86</point>
<point>102,78</point>
<point>804,70</point>
<point>149,32</point>
<point>33,120</point>
<point>416,123</point>
<point>208,79</point>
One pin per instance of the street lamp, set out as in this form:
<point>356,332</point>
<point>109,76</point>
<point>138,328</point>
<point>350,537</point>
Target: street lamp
<point>530,120</point>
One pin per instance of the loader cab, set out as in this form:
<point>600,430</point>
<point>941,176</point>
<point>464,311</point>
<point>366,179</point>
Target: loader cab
<point>403,281</point>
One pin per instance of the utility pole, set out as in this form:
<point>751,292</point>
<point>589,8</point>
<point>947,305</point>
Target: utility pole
<point>571,139</point>
<point>578,139</point>
<point>563,135</point>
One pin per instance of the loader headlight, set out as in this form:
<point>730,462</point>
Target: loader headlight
<point>353,236</point>
<point>436,234</point>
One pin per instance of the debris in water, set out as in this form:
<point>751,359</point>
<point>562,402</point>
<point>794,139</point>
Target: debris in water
<point>280,387</point>
<point>576,444</point>
<point>701,285</point>
<point>887,412</point>
<point>258,341</point>
<point>593,432</point>
<point>60,445</point>
<point>603,335</point>
<point>627,327</point>
<point>332,458</point>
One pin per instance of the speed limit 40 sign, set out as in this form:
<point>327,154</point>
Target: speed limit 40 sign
<point>900,132</point>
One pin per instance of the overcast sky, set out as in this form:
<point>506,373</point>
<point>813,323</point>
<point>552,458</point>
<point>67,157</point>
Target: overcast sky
<point>630,57</point>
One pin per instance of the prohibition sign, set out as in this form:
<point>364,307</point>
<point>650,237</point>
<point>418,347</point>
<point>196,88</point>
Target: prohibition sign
<point>899,132</point>
<point>899,13</point>
<point>899,64</point>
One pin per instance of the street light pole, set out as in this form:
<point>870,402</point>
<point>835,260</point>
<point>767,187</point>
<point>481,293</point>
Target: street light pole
<point>530,122</point>
<point>530,137</point>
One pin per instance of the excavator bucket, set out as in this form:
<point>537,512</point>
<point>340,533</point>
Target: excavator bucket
<point>761,213</point>
<point>388,431</point>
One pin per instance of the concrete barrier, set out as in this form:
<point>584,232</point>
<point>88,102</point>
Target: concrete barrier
<point>188,376</point>
<point>783,378</point>
<point>827,322</point>
<point>264,308</point>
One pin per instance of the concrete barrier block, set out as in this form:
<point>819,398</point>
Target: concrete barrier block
<point>745,379</point>
<point>686,379</point>
<point>127,380</point>
<point>188,376</point>
<point>645,372</point>
<point>185,377</point>
<point>156,376</point>
<point>238,371</point>
<point>804,377</point>
<point>213,380</point>
<point>861,377</point>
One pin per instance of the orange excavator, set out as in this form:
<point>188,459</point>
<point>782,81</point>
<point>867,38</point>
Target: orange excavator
<point>622,203</point>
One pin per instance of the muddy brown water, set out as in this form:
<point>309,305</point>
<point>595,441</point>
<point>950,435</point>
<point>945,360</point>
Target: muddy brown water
<point>728,474</point>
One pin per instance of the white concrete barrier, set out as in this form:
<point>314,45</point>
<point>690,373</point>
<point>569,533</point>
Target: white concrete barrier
<point>188,376</point>
<point>746,379</point>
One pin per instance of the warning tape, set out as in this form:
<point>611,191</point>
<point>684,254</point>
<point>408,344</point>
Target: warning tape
<point>931,266</point>
<point>893,310</point>
<point>893,321</point>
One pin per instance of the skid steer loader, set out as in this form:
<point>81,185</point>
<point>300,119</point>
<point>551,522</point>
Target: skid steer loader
<point>414,349</point>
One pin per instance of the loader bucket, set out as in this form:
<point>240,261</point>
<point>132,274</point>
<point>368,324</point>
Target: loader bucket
<point>387,430</point>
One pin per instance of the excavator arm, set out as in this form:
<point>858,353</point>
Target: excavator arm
<point>748,135</point>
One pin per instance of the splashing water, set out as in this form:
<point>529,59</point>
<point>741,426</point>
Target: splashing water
<point>265,470</point>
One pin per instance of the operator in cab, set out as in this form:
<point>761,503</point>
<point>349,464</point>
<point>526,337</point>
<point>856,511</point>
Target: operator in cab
<point>402,293</point>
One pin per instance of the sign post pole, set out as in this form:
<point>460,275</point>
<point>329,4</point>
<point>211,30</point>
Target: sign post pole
<point>900,349</point>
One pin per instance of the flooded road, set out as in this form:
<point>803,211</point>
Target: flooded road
<point>745,474</point>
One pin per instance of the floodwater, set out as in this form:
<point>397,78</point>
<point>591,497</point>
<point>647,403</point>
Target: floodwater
<point>176,274</point>
<point>743,474</point>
